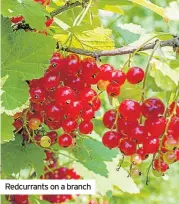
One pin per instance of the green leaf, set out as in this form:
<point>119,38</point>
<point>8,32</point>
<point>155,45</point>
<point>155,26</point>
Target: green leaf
<point>36,200</point>
<point>171,11</point>
<point>97,167</point>
<point>114,9</point>
<point>16,157</point>
<point>165,77</point>
<point>174,64</point>
<point>113,2</point>
<point>161,95</point>
<point>109,194</point>
<point>147,4</point>
<point>13,89</point>
<point>115,178</point>
<point>129,32</point>
<point>3,199</point>
<point>98,126</point>
<point>92,154</point>
<point>24,56</point>
<point>33,13</point>
<point>97,39</point>
<point>90,21</point>
<point>6,128</point>
<point>130,91</point>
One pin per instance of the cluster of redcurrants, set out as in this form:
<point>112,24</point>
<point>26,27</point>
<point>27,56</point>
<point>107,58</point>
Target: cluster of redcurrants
<point>142,129</point>
<point>64,97</point>
<point>57,173</point>
<point>18,199</point>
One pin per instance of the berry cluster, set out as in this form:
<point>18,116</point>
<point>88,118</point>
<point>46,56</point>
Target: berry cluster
<point>64,98</point>
<point>68,96</point>
<point>59,173</point>
<point>18,199</point>
<point>139,130</point>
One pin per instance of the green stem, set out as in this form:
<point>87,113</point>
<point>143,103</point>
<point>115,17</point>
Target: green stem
<point>147,71</point>
<point>147,42</point>
<point>84,13</point>
<point>148,170</point>
<point>57,152</point>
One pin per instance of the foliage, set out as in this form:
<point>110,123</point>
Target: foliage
<point>15,157</point>
<point>22,60</point>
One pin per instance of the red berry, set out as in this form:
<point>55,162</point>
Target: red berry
<point>171,108</point>
<point>127,147</point>
<point>118,78</point>
<point>151,145</point>
<point>65,140</point>
<point>17,19</point>
<point>155,126</point>
<point>111,139</point>
<point>47,2</point>
<point>72,63</point>
<point>106,72</point>
<point>152,107</point>
<point>17,124</point>
<point>54,112</point>
<point>37,139</point>
<point>76,82</point>
<point>64,96</point>
<point>87,113</point>
<point>74,109</point>
<point>49,22</point>
<point>109,119</point>
<point>89,67</point>
<point>130,110</point>
<point>135,75</point>
<point>142,153</point>
<point>174,127</point>
<point>71,174</point>
<point>48,154</point>
<point>37,94</point>
<point>113,90</point>
<point>177,154</point>
<point>53,136</point>
<point>160,165</point>
<point>95,103</point>
<point>139,133</point>
<point>69,125</point>
<point>123,126</point>
<point>87,94</point>
<point>34,83</point>
<point>86,127</point>
<point>53,125</point>
<point>21,198</point>
<point>57,61</point>
<point>51,80</point>
<point>60,173</point>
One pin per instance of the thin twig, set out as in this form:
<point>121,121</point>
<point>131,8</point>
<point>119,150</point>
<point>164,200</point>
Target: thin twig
<point>65,8</point>
<point>123,50</point>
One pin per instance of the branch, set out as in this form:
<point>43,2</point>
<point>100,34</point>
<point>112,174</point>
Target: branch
<point>123,50</point>
<point>66,7</point>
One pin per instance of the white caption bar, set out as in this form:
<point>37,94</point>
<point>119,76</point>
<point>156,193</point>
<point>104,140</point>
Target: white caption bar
<point>47,187</point>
